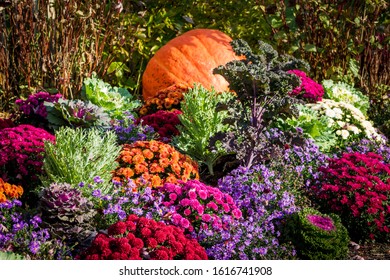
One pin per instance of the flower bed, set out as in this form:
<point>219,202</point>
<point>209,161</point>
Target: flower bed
<point>285,173</point>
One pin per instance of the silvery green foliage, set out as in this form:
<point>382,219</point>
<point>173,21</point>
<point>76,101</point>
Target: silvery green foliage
<point>67,213</point>
<point>200,120</point>
<point>10,256</point>
<point>262,85</point>
<point>80,155</point>
<point>75,113</point>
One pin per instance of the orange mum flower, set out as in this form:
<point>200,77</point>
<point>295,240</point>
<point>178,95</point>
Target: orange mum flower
<point>138,159</point>
<point>156,181</point>
<point>2,198</point>
<point>165,99</point>
<point>156,168</point>
<point>140,168</point>
<point>176,168</point>
<point>127,172</point>
<point>148,154</point>
<point>164,162</point>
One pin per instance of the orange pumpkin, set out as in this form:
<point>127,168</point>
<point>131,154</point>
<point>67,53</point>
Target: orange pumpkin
<point>187,59</point>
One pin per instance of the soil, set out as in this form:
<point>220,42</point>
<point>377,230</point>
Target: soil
<point>369,251</point>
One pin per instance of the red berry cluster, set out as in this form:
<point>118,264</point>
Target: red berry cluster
<point>357,187</point>
<point>139,238</point>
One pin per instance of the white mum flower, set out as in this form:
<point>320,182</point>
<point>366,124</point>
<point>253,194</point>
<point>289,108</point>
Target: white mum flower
<point>344,134</point>
<point>341,123</point>
<point>354,129</point>
<point>330,113</point>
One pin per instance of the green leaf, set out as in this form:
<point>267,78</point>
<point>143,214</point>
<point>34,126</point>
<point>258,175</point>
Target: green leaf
<point>310,48</point>
<point>276,22</point>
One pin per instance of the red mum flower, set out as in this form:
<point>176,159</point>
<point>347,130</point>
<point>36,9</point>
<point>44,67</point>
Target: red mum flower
<point>117,229</point>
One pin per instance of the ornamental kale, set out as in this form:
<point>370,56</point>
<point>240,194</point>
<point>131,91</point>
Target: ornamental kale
<point>314,126</point>
<point>33,110</point>
<point>317,236</point>
<point>113,100</point>
<point>75,113</point>
<point>200,120</point>
<point>262,84</point>
<point>344,92</point>
<point>67,213</point>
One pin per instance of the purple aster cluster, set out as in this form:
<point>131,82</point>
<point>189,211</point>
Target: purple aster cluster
<point>309,89</point>
<point>297,164</point>
<point>24,236</point>
<point>129,131</point>
<point>264,202</point>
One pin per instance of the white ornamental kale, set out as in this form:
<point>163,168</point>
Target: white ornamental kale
<point>344,92</point>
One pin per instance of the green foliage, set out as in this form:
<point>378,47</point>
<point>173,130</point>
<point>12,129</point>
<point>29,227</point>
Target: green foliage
<point>325,239</point>
<point>314,126</point>
<point>79,156</point>
<point>75,113</point>
<point>344,92</point>
<point>200,120</point>
<point>113,100</point>
<point>10,256</point>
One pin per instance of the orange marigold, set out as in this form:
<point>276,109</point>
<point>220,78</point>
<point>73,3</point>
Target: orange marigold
<point>156,163</point>
<point>9,191</point>
<point>2,198</point>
